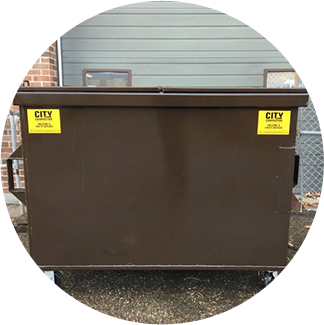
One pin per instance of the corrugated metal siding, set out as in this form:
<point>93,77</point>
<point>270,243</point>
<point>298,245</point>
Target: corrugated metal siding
<point>169,44</point>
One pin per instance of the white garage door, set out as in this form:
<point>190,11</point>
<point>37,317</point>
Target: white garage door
<point>183,43</point>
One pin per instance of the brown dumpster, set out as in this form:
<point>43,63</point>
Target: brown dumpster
<point>158,178</point>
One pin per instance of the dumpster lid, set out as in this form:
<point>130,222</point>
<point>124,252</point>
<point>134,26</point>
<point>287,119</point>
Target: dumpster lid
<point>230,90</point>
<point>161,89</point>
<point>160,97</point>
<point>77,89</point>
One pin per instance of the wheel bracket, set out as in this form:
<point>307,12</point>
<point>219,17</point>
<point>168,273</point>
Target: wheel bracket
<point>49,279</point>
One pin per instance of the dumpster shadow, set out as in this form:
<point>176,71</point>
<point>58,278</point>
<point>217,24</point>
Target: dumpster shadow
<point>163,282</point>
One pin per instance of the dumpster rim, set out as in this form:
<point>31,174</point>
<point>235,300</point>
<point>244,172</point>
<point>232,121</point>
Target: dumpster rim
<point>83,97</point>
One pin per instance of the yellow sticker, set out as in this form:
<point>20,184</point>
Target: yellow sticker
<point>274,122</point>
<point>44,120</point>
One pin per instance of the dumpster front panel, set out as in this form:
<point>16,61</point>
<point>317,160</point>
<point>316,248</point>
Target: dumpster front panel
<point>158,187</point>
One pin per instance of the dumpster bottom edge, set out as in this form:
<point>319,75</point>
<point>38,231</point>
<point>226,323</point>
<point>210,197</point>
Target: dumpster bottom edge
<point>162,267</point>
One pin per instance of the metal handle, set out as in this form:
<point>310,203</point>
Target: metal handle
<point>296,170</point>
<point>10,175</point>
<point>19,193</point>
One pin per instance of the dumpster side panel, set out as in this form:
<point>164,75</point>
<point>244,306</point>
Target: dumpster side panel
<point>158,188</point>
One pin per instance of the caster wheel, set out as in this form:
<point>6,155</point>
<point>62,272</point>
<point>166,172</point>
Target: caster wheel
<point>57,282</point>
<point>268,277</point>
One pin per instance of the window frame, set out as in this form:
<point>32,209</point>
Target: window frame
<point>128,71</point>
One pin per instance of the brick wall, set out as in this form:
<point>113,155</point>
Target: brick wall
<point>27,52</point>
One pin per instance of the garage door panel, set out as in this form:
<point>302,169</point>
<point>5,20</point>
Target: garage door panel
<point>186,20</point>
<point>253,44</point>
<point>190,81</point>
<point>159,32</point>
<point>159,56</point>
<point>176,69</point>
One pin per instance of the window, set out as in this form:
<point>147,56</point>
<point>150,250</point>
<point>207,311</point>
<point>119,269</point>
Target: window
<point>107,78</point>
<point>285,78</point>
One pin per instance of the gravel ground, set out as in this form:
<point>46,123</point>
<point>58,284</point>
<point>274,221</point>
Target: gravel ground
<point>165,297</point>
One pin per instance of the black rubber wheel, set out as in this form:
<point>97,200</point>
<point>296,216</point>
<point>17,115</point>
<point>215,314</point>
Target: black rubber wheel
<point>57,285</point>
<point>267,278</point>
